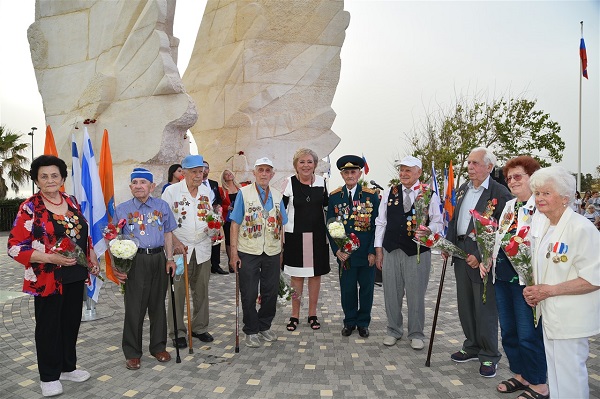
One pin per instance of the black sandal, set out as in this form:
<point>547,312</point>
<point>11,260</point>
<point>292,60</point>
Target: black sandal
<point>292,324</point>
<point>529,393</point>
<point>511,385</point>
<point>314,322</point>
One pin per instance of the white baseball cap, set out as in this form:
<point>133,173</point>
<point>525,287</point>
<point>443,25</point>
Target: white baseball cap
<point>263,161</point>
<point>409,161</point>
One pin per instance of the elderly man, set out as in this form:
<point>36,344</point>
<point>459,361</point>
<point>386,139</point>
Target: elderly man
<point>479,320</point>
<point>150,221</point>
<point>256,242</point>
<point>356,207</point>
<point>396,253</point>
<point>190,203</point>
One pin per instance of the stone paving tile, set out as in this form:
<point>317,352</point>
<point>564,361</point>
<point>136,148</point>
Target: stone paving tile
<point>303,364</point>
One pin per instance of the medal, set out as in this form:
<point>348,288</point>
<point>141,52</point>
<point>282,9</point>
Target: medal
<point>563,258</point>
<point>555,259</point>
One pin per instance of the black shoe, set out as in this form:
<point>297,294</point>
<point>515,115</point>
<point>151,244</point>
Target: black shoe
<point>363,332</point>
<point>204,337</point>
<point>218,270</point>
<point>347,330</point>
<point>180,342</point>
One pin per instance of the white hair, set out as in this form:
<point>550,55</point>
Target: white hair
<point>556,176</point>
<point>488,156</point>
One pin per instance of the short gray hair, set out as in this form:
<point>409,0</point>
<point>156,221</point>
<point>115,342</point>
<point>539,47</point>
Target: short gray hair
<point>557,176</point>
<point>488,157</point>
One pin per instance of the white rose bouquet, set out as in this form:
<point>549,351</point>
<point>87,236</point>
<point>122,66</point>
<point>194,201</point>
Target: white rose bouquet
<point>123,250</point>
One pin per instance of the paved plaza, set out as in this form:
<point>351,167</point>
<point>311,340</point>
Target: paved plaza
<point>301,364</point>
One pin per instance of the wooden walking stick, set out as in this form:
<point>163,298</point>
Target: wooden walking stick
<point>187,301</point>
<point>237,310</point>
<point>435,315</point>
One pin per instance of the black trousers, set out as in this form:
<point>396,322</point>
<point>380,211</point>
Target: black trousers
<point>57,320</point>
<point>215,257</point>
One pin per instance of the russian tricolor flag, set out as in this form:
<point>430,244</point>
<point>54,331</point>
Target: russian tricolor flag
<point>583,56</point>
<point>366,168</point>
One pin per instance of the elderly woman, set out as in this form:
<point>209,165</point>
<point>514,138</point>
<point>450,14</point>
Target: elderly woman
<point>228,191</point>
<point>305,248</point>
<point>566,268</point>
<point>522,341</point>
<point>48,219</point>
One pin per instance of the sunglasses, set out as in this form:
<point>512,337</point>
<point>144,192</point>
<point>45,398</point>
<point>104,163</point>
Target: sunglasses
<point>515,177</point>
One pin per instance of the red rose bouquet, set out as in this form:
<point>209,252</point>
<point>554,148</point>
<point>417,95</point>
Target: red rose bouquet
<point>435,240</point>
<point>485,237</point>
<point>67,247</point>
<point>214,222</point>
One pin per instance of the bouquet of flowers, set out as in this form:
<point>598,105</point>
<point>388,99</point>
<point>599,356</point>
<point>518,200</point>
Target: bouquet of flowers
<point>346,243</point>
<point>435,240</point>
<point>485,237</point>
<point>214,221</point>
<point>67,247</point>
<point>422,209</point>
<point>286,292</point>
<point>121,249</point>
<point>518,251</point>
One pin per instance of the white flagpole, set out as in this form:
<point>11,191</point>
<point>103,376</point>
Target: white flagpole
<point>579,136</point>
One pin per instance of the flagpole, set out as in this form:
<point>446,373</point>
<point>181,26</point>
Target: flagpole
<point>579,136</point>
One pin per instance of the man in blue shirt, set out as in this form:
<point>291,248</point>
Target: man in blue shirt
<point>149,221</point>
<point>256,244</point>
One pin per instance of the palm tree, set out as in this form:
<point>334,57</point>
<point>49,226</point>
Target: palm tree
<point>12,161</point>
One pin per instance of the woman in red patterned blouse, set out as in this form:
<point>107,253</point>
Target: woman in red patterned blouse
<point>47,220</point>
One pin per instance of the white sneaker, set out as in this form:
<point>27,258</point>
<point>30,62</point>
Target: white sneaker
<point>252,341</point>
<point>417,344</point>
<point>51,388</point>
<point>389,340</point>
<point>75,375</point>
<point>268,335</point>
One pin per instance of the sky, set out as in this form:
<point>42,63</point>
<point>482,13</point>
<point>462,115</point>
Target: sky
<point>401,60</point>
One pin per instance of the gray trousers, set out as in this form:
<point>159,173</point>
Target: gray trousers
<point>479,321</point>
<point>145,288</point>
<point>198,277</point>
<point>265,270</point>
<point>402,274</point>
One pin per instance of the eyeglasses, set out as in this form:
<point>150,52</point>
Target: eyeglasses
<point>515,177</point>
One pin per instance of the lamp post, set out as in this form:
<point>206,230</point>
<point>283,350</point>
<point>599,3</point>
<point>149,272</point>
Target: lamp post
<point>33,129</point>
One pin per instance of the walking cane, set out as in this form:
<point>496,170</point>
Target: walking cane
<point>178,360</point>
<point>435,315</point>
<point>187,301</point>
<point>237,309</point>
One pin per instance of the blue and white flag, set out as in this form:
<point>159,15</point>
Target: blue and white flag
<point>435,187</point>
<point>76,173</point>
<point>92,206</point>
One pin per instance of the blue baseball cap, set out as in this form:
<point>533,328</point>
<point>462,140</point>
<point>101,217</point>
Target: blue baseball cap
<point>192,161</point>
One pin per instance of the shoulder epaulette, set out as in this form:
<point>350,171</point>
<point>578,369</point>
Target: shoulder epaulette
<point>368,190</point>
<point>337,190</point>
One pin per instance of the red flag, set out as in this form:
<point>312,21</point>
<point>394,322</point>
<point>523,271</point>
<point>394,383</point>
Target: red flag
<point>50,147</point>
<point>583,56</point>
<point>108,189</point>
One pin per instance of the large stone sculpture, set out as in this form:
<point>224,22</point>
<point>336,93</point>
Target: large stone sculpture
<point>263,74</point>
<point>113,62</point>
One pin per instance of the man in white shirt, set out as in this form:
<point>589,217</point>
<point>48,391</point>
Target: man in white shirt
<point>396,252</point>
<point>189,201</point>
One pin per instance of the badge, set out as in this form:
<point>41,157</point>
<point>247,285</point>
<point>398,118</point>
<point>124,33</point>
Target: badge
<point>563,258</point>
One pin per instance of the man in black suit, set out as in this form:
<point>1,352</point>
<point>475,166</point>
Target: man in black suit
<point>479,320</point>
<point>216,201</point>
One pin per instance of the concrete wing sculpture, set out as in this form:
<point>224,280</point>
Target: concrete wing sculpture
<point>263,75</point>
<point>113,62</point>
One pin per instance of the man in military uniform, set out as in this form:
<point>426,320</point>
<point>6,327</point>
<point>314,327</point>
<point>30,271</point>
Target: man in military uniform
<point>356,207</point>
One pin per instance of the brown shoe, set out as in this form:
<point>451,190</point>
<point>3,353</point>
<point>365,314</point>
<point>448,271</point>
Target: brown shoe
<point>163,356</point>
<point>132,364</point>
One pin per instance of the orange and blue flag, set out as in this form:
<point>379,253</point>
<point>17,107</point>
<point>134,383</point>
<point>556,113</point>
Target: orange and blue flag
<point>108,190</point>
<point>449,196</point>
<point>50,147</point>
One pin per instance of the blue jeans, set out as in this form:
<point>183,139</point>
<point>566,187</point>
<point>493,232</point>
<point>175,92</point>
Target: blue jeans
<point>522,342</point>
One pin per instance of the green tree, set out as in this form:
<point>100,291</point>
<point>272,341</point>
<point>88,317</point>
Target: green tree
<point>11,161</point>
<point>509,127</point>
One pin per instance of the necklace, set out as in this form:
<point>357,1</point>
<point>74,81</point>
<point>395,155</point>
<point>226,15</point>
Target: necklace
<point>53,203</point>
<point>312,180</point>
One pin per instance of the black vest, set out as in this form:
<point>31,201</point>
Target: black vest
<point>397,234</point>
